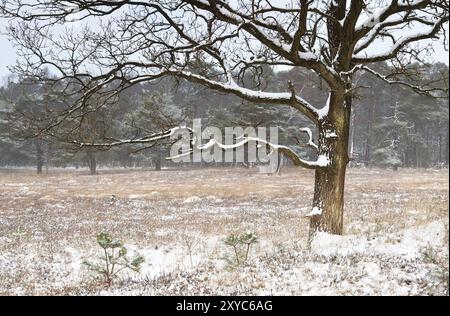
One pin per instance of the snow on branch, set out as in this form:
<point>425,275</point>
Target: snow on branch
<point>310,140</point>
<point>314,212</point>
<point>321,162</point>
<point>370,37</point>
<point>251,95</point>
<point>400,44</point>
<point>142,140</point>
<point>422,90</point>
<point>324,111</point>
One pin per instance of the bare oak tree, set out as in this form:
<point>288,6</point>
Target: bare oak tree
<point>102,47</point>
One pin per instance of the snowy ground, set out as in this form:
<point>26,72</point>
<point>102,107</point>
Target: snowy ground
<point>396,239</point>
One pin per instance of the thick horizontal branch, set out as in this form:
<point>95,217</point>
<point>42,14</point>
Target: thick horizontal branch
<point>282,98</point>
<point>321,162</point>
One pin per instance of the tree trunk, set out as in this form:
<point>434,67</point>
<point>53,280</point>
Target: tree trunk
<point>330,180</point>
<point>92,162</point>
<point>368,149</point>
<point>447,148</point>
<point>39,156</point>
<point>440,149</point>
<point>158,160</point>
<point>352,139</point>
<point>47,158</point>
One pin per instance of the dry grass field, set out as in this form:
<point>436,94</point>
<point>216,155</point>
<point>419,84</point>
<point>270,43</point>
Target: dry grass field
<point>395,243</point>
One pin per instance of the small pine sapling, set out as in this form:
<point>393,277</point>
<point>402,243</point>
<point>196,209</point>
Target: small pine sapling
<point>247,240</point>
<point>233,241</point>
<point>241,245</point>
<point>114,259</point>
<point>441,271</point>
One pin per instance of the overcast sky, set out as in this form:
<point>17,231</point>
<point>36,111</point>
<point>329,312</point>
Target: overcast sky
<point>8,53</point>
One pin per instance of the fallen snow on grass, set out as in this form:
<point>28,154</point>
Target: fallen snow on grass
<point>47,231</point>
<point>335,265</point>
<point>192,199</point>
<point>408,244</point>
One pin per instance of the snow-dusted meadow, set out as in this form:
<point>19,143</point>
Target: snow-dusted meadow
<point>395,242</point>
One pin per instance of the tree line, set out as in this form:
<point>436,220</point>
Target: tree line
<point>391,126</point>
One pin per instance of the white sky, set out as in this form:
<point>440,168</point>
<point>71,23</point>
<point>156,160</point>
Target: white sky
<point>8,52</point>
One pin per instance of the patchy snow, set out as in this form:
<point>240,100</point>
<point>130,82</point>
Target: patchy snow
<point>399,42</point>
<point>331,134</point>
<point>192,199</point>
<point>315,211</point>
<point>336,265</point>
<point>323,112</point>
<point>322,161</point>
<point>407,244</point>
<point>162,261</point>
<point>373,19</point>
<point>310,135</point>
<point>24,190</point>
<point>390,221</point>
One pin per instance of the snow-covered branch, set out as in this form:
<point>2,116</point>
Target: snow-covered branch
<point>251,95</point>
<point>321,162</point>
<point>310,135</point>
<point>400,44</point>
<point>141,140</point>
<point>422,90</point>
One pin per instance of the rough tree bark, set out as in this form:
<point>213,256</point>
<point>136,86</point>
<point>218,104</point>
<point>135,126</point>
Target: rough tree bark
<point>334,131</point>
<point>330,180</point>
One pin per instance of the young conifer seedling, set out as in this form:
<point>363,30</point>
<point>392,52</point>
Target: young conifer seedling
<point>114,259</point>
